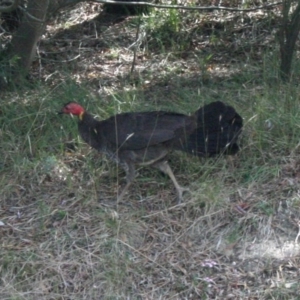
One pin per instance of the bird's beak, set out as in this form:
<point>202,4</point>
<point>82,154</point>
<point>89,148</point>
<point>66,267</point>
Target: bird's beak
<point>60,112</point>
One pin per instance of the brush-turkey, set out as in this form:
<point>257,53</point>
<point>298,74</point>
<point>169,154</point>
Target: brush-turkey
<point>146,138</point>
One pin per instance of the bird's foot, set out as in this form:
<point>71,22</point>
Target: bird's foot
<point>180,192</point>
<point>123,192</point>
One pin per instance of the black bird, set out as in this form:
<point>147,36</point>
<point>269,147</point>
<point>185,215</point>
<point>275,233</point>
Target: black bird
<point>146,138</point>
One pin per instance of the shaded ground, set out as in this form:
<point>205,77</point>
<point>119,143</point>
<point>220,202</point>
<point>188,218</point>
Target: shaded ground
<point>62,234</point>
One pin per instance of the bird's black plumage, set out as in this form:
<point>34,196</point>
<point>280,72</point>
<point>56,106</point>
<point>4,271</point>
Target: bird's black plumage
<point>217,131</point>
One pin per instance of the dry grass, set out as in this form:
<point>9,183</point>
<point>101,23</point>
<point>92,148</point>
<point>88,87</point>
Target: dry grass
<point>63,236</point>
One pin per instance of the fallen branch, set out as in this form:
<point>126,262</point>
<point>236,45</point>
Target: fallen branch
<point>208,8</point>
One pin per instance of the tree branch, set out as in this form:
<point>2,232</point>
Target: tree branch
<point>13,6</point>
<point>30,16</point>
<point>209,8</point>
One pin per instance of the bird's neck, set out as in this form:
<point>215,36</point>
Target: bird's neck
<point>87,119</point>
<point>80,116</point>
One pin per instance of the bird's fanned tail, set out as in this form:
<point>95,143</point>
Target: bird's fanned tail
<point>218,128</point>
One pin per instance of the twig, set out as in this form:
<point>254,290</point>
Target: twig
<point>135,46</point>
<point>296,239</point>
<point>30,16</point>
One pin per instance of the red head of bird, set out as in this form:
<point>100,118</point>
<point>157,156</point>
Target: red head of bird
<point>73,108</point>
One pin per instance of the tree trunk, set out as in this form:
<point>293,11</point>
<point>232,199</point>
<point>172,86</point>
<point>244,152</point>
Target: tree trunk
<point>288,34</point>
<point>23,45</point>
<point>25,39</point>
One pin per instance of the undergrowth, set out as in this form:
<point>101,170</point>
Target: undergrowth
<point>63,236</point>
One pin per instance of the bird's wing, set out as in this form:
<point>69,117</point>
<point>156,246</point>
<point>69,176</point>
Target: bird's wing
<point>142,139</point>
<point>139,130</point>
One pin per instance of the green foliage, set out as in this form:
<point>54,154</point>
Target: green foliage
<point>165,30</point>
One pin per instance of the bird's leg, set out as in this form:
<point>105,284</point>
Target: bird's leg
<point>130,175</point>
<point>165,168</point>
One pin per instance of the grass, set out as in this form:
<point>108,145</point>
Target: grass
<point>63,236</point>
